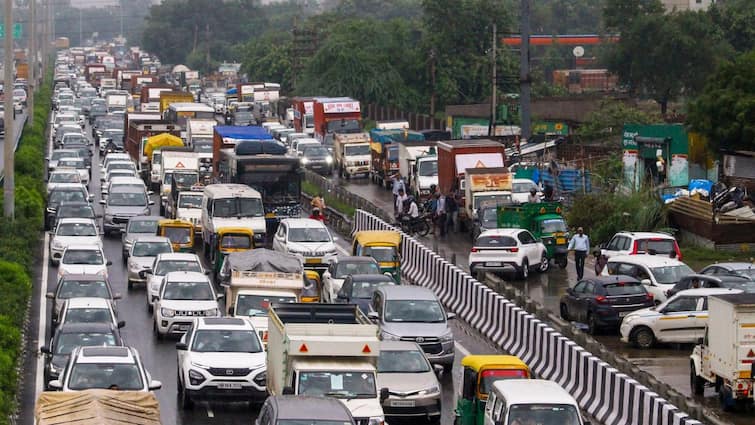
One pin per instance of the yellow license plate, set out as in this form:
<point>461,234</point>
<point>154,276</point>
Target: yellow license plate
<point>313,260</point>
<point>560,241</point>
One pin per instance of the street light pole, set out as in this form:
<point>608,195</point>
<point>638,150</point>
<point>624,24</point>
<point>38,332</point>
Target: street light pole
<point>32,61</point>
<point>524,72</point>
<point>10,128</point>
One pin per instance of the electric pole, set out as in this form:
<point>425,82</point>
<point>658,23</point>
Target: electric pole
<point>494,91</point>
<point>524,72</point>
<point>32,61</point>
<point>10,128</point>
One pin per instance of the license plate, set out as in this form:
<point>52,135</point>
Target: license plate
<point>623,313</point>
<point>402,403</point>
<point>494,264</point>
<point>229,386</point>
<point>313,260</point>
<point>560,241</point>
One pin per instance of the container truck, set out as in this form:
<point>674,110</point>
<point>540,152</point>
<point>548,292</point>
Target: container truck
<point>117,102</point>
<point>139,128</point>
<point>174,96</point>
<point>228,136</point>
<point>304,114</point>
<point>725,357</point>
<point>384,152</point>
<point>335,117</point>
<point>199,136</point>
<point>326,350</point>
<point>418,165</point>
<point>150,96</point>
<point>455,156</point>
<point>177,164</point>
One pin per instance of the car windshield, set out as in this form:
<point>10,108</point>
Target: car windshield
<point>488,377</point>
<point>88,315</point>
<point>226,341</point>
<point>58,196</point>
<point>142,226</point>
<point>127,199</point>
<point>83,256</point>
<point>365,289</point>
<point>257,305</point>
<point>237,207</point>
<point>179,235</point>
<point>74,139</point>
<point>356,150</point>
<point>670,274</point>
<point>523,187</point>
<point>83,288</point>
<point>491,200</point>
<point>553,226</point>
<point>623,289</point>
<point>56,155</point>
<point>77,211</point>
<point>86,376</point>
<point>363,267</point>
<point>183,180</point>
<point>404,361</point>
<point>489,215</point>
<point>748,272</point>
<point>230,241</point>
<point>356,384</point>
<point>73,163</point>
<point>308,234</point>
<point>188,291</point>
<point>150,249</point>
<point>428,168</point>
<point>166,266</point>
<point>190,201</point>
<point>562,414</point>
<point>315,151</point>
<point>120,166</point>
<point>66,342</point>
<point>76,229</point>
<point>415,311</point>
<point>202,146</point>
<point>65,178</point>
<point>657,246</point>
<point>382,254</point>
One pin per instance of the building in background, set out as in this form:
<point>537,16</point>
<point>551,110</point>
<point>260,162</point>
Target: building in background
<point>682,5</point>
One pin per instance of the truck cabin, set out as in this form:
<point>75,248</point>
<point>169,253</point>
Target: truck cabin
<point>177,113</point>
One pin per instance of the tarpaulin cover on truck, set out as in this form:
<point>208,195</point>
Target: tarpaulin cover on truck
<point>264,260</point>
<point>242,132</point>
<point>160,141</point>
<point>97,407</point>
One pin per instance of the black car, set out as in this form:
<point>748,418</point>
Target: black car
<point>80,286</point>
<point>73,210</point>
<point>602,302</point>
<point>63,194</point>
<point>487,218</point>
<point>289,409</point>
<point>243,118</point>
<point>71,335</point>
<point>317,159</point>
<point>358,289</point>
<point>708,281</point>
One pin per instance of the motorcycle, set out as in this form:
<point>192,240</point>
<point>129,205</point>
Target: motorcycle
<point>419,225</point>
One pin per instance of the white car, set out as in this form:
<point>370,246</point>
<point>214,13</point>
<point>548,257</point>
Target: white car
<point>183,296</point>
<point>117,165</point>
<point>164,264</point>
<point>72,231</point>
<point>190,208</point>
<point>520,190</point>
<point>83,259</point>
<point>500,250</point>
<point>118,178</point>
<point>658,273</point>
<point>88,310</point>
<point>306,238</point>
<point>144,250</point>
<point>221,358</point>
<point>632,243</point>
<point>105,368</point>
<point>680,319</point>
<point>78,164</point>
<point>62,176</point>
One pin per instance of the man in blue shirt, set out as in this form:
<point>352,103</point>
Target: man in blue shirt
<point>580,244</point>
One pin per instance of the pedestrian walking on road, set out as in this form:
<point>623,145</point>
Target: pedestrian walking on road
<point>580,244</point>
<point>397,184</point>
<point>440,214</point>
<point>452,211</point>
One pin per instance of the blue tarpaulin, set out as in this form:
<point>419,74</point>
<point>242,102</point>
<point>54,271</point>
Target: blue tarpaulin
<point>231,91</point>
<point>239,132</point>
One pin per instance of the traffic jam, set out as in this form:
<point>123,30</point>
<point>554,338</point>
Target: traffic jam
<point>176,230</point>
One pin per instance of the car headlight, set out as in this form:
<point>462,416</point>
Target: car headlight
<point>377,420</point>
<point>329,159</point>
<point>431,390</point>
<point>211,312</point>
<point>57,245</point>
<point>304,160</point>
<point>261,379</point>
<point>195,378</point>
<point>167,312</point>
<point>447,337</point>
<point>390,337</point>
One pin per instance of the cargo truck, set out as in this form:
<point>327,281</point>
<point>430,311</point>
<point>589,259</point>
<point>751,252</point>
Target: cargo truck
<point>418,165</point>
<point>485,188</point>
<point>544,220</point>
<point>304,114</point>
<point>725,357</point>
<point>384,152</point>
<point>150,96</point>
<point>326,350</point>
<point>336,118</point>
<point>117,102</point>
<point>199,136</point>
<point>139,128</point>
<point>168,97</point>
<point>179,165</point>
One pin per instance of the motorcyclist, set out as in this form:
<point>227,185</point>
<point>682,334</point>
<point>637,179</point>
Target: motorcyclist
<point>411,210</point>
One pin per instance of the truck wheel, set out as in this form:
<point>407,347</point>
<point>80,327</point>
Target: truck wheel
<point>696,383</point>
<point>643,337</point>
<point>564,312</point>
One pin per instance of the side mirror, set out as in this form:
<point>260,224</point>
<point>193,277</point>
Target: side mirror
<point>438,369</point>
<point>181,346</point>
<point>700,341</point>
<point>155,385</point>
<point>646,282</point>
<point>109,263</point>
<point>50,296</point>
<point>117,296</point>
<point>450,316</point>
<point>384,394</point>
<point>55,384</point>
<point>220,297</point>
<point>206,272</point>
<point>121,324</point>
<point>151,202</point>
<point>231,311</point>
<point>103,202</point>
<point>45,350</point>
<point>288,390</point>
<point>374,316</point>
<point>90,198</point>
<point>150,192</point>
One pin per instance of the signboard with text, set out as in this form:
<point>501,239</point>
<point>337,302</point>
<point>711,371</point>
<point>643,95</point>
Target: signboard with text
<point>341,107</point>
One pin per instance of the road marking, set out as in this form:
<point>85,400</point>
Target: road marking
<point>210,413</point>
<point>42,318</point>
<point>461,348</point>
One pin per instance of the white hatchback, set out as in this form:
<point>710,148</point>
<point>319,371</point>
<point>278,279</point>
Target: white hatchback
<point>83,259</point>
<point>500,250</point>
<point>658,273</point>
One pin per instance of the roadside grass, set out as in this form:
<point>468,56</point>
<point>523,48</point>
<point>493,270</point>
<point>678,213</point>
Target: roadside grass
<point>330,201</point>
<point>699,257</point>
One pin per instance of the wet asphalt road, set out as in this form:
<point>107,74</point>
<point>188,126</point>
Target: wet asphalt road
<point>668,363</point>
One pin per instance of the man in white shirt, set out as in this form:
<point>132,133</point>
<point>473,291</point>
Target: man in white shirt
<point>397,185</point>
<point>580,244</point>
<point>413,209</point>
<point>399,205</point>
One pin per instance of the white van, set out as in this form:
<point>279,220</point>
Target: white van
<point>531,401</point>
<point>232,205</point>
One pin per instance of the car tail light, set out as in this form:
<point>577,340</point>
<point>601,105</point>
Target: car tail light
<point>678,251</point>
<point>514,249</point>
<point>474,249</point>
<point>635,247</point>
<point>600,299</point>
<point>649,297</point>
<point>264,336</point>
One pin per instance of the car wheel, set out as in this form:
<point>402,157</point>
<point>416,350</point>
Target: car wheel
<point>156,331</point>
<point>130,285</point>
<point>524,270</point>
<point>150,308</point>
<point>696,383</point>
<point>545,263</point>
<point>643,337</point>
<point>564,312</point>
<point>592,324</point>
<point>184,400</point>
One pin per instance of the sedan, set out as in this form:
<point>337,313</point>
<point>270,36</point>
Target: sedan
<point>78,164</point>
<point>74,210</point>
<point>72,231</point>
<point>143,253</point>
<point>318,159</point>
<point>603,301</point>
<point>500,250</point>
<point>137,226</point>
<point>746,270</point>
<point>358,289</point>
<point>62,176</point>
<point>83,259</point>
<point>694,281</point>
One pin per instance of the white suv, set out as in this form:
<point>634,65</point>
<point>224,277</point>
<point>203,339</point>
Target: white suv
<point>221,358</point>
<point>306,238</point>
<point>182,297</point>
<point>631,243</point>
<point>105,368</point>
<point>164,264</point>
<point>499,250</point>
<point>658,273</point>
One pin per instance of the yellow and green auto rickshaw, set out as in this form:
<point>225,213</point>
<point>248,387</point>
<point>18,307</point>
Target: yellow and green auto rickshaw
<point>228,240</point>
<point>180,233</point>
<point>382,245</point>
<point>312,277</point>
<point>480,371</point>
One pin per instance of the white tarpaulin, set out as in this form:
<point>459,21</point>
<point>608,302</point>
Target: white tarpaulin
<point>478,160</point>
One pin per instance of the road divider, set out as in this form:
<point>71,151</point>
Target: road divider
<point>612,397</point>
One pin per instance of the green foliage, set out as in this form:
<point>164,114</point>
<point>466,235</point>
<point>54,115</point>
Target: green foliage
<point>735,18</point>
<point>604,214</point>
<point>620,15</point>
<point>268,58</point>
<point>606,123</point>
<point>725,110</point>
<point>566,16</point>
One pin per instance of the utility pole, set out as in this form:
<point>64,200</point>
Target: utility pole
<point>120,7</point>
<point>10,128</point>
<point>494,91</point>
<point>432,94</point>
<point>81,29</point>
<point>524,72</point>
<point>32,61</point>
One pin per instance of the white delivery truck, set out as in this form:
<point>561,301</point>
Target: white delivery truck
<point>326,350</point>
<point>352,153</point>
<point>418,165</point>
<point>725,357</point>
<point>232,205</point>
<point>486,187</point>
<point>199,137</point>
<point>179,165</point>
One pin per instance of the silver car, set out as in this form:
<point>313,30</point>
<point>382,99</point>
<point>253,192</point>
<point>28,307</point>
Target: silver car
<point>142,255</point>
<point>123,203</point>
<point>413,387</point>
<point>141,225</point>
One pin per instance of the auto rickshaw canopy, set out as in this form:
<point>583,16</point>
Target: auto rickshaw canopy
<point>479,363</point>
<point>235,231</point>
<point>378,238</point>
<point>184,242</point>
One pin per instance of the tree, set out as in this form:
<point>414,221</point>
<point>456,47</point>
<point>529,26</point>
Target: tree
<point>735,18</point>
<point>725,110</point>
<point>621,14</point>
<point>607,122</point>
<point>268,58</point>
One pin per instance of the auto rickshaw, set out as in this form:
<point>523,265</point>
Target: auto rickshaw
<point>480,371</point>
<point>312,277</point>
<point>382,245</point>
<point>227,240</point>
<point>180,233</point>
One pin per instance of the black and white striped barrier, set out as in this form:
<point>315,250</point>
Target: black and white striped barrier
<point>610,396</point>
